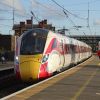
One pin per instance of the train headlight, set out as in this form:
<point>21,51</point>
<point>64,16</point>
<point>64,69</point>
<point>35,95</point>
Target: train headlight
<point>16,57</point>
<point>16,62</point>
<point>45,58</point>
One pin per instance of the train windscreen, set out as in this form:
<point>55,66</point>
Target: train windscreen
<point>33,42</point>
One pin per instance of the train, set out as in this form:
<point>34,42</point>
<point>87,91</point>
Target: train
<point>98,51</point>
<point>40,53</point>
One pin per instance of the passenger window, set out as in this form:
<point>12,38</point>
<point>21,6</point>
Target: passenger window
<point>54,44</point>
<point>66,48</point>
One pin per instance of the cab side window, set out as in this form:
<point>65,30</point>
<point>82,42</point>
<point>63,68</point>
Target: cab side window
<point>54,45</point>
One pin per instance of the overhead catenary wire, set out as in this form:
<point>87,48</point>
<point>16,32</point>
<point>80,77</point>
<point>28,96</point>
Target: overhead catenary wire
<point>75,25</point>
<point>86,36</point>
<point>68,11</point>
<point>5,25</point>
<point>84,3</point>
<point>14,10</point>
<point>50,9</point>
<point>37,19</point>
<point>46,8</point>
<point>5,19</point>
<point>70,20</point>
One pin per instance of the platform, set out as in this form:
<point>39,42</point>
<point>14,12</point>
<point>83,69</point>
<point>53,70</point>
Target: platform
<point>7,65</point>
<point>79,83</point>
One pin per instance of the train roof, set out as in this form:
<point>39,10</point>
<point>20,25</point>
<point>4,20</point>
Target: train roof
<point>74,41</point>
<point>36,31</point>
<point>44,33</point>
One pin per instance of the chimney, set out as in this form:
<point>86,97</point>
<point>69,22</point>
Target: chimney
<point>45,21</point>
<point>22,24</point>
<point>29,22</point>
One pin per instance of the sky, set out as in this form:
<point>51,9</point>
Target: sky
<point>60,13</point>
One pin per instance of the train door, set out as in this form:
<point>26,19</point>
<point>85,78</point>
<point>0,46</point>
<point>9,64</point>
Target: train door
<point>67,58</point>
<point>72,51</point>
<point>62,53</point>
<point>78,51</point>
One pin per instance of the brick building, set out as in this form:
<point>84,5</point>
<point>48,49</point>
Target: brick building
<point>7,46</point>
<point>24,26</point>
<point>7,42</point>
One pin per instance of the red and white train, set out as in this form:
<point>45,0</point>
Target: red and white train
<point>40,53</point>
<point>98,51</point>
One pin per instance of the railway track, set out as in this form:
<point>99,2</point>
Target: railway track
<point>6,72</point>
<point>9,84</point>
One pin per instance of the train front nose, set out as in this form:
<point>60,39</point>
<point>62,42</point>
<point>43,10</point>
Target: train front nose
<point>29,67</point>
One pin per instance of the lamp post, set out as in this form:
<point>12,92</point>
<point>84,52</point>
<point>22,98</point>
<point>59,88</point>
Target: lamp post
<point>32,18</point>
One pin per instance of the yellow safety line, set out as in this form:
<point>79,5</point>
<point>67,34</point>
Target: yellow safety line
<point>84,86</point>
<point>98,93</point>
<point>99,64</point>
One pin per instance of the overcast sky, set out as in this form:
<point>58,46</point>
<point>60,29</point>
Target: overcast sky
<point>76,14</point>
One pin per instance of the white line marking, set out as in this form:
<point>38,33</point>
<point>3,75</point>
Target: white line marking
<point>98,93</point>
<point>99,64</point>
